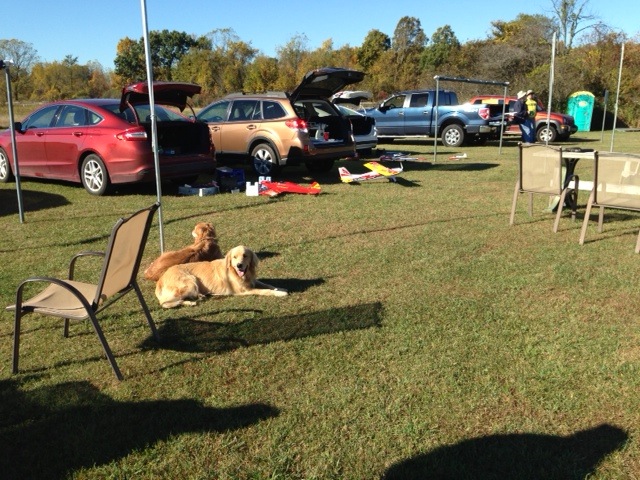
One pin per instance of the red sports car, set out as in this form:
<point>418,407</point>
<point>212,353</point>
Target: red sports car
<point>99,142</point>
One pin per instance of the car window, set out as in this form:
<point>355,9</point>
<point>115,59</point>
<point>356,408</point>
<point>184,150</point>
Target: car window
<point>162,114</point>
<point>42,118</point>
<point>94,118</point>
<point>419,100</point>
<point>215,113</point>
<point>72,116</point>
<point>395,102</point>
<point>317,108</point>
<point>271,110</point>
<point>242,110</point>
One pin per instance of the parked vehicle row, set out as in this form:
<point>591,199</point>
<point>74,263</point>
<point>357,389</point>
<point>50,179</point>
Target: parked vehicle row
<point>100,142</point>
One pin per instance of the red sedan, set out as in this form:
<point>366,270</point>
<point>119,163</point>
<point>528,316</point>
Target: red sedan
<point>99,142</point>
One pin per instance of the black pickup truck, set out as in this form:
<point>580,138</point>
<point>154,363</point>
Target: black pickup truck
<point>412,113</point>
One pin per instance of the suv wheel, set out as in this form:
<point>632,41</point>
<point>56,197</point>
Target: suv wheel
<point>264,160</point>
<point>545,134</point>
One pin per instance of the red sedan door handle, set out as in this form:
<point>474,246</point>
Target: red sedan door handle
<point>77,134</point>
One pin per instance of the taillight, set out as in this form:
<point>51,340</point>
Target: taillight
<point>133,134</point>
<point>484,113</point>
<point>297,124</point>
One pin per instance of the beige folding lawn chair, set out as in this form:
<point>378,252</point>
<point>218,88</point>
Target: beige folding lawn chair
<point>617,185</point>
<point>541,170</point>
<point>74,300</point>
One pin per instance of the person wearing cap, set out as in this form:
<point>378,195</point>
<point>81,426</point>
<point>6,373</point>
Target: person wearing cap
<point>521,117</point>
<point>532,105</point>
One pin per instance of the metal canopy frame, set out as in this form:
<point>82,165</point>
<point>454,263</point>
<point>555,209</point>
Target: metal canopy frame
<point>4,65</point>
<point>444,78</point>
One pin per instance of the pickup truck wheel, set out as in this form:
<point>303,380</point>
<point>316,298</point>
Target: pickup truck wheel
<point>545,134</point>
<point>453,136</point>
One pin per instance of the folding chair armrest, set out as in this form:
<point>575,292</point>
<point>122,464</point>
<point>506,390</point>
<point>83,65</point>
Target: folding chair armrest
<point>62,283</point>
<point>88,253</point>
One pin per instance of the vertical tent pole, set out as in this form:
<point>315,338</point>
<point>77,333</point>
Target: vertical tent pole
<point>551,81</point>
<point>604,114</point>
<point>154,125</point>
<point>16,169</point>
<point>504,111</point>
<point>435,121</point>
<point>615,110</point>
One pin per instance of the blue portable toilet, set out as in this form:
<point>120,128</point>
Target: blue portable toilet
<point>580,107</point>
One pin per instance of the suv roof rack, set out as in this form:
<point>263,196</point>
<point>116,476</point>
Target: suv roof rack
<point>265,94</point>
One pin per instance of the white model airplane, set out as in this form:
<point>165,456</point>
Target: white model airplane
<point>377,171</point>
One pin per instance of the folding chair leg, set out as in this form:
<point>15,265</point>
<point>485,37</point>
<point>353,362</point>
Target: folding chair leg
<point>147,313</point>
<point>105,346</point>
<point>585,222</point>
<point>563,196</point>
<point>638,244</point>
<point>600,219</point>
<point>516,193</point>
<point>16,339</point>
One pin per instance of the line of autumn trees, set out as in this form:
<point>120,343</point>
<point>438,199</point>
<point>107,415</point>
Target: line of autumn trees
<point>517,51</point>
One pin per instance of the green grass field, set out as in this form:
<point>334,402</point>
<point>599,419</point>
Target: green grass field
<point>424,336</point>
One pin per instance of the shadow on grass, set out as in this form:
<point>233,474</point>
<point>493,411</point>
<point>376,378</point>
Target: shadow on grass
<point>31,201</point>
<point>189,335</point>
<point>52,431</point>
<point>521,456</point>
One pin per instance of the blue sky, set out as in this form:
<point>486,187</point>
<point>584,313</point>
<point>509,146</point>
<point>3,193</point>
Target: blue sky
<point>90,29</point>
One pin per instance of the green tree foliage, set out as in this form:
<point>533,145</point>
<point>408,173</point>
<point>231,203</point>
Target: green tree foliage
<point>517,48</point>
<point>60,80</point>
<point>262,74</point>
<point>23,56</point>
<point>291,65</point>
<point>517,51</point>
<point>407,45</point>
<point>374,45</point>
<point>166,49</point>
<point>444,44</point>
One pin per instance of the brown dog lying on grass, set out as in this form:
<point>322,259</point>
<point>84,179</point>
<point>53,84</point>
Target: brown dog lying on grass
<point>235,274</point>
<point>205,248</point>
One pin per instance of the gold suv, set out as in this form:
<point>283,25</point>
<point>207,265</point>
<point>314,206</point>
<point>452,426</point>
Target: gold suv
<point>277,129</point>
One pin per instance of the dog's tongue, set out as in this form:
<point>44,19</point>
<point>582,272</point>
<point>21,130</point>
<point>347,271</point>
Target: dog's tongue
<point>240,272</point>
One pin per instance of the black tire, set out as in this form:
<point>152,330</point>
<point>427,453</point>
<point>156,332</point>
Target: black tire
<point>6,175</point>
<point>544,135</point>
<point>94,175</point>
<point>264,160</point>
<point>453,136</point>
<point>319,166</point>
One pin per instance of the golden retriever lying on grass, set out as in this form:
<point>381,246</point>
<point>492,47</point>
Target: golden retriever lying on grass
<point>235,274</point>
<point>205,248</point>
